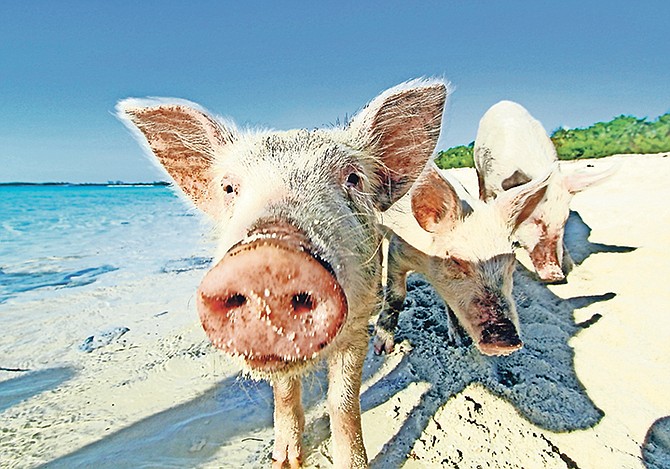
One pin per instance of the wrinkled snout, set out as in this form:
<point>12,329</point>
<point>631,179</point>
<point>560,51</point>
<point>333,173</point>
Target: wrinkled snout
<point>546,260</point>
<point>499,337</point>
<point>271,301</point>
<point>498,333</point>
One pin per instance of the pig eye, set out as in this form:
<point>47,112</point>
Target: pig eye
<point>353,180</point>
<point>351,176</point>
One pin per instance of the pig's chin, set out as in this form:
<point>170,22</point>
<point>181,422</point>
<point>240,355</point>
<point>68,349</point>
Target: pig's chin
<point>269,365</point>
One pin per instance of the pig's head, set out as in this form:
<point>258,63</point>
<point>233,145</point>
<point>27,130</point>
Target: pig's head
<point>295,273</point>
<point>472,259</point>
<point>541,234</point>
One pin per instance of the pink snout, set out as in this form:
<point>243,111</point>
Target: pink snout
<point>551,273</point>
<point>271,302</point>
<point>545,259</point>
<point>497,335</point>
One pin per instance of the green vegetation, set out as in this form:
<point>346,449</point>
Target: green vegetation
<point>623,134</point>
<point>456,157</point>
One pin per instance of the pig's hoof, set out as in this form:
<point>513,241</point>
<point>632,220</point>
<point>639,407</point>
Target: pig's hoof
<point>291,463</point>
<point>383,342</point>
<point>286,454</point>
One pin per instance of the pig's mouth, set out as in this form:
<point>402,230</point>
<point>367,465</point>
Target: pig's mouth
<point>272,301</point>
<point>550,273</point>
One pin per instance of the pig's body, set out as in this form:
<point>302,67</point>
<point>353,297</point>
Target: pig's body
<point>463,247</point>
<point>296,270</point>
<point>512,148</point>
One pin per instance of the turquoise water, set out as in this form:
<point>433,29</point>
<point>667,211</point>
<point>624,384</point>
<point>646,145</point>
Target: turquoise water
<point>55,237</point>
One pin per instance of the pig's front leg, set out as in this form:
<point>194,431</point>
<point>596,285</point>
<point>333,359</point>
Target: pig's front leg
<point>394,295</point>
<point>402,259</point>
<point>387,322</point>
<point>289,422</point>
<point>345,367</point>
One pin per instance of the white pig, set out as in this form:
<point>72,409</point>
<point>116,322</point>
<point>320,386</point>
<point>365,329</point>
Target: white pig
<point>463,247</point>
<point>511,148</point>
<point>295,273</point>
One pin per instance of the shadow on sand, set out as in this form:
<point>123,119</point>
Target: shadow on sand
<point>27,385</point>
<point>656,447</point>
<point>576,239</point>
<point>184,435</point>
<point>191,434</point>
<point>538,380</point>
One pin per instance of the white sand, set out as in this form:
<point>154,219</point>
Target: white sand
<point>573,397</point>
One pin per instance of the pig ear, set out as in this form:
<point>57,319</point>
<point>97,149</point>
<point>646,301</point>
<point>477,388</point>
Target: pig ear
<point>401,127</point>
<point>435,203</point>
<point>577,181</point>
<point>517,179</point>
<point>184,140</point>
<point>482,157</point>
<point>519,202</point>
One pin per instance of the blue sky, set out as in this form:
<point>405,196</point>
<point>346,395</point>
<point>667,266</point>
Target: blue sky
<point>64,65</point>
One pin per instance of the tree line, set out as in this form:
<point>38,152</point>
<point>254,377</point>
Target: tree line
<point>623,134</point>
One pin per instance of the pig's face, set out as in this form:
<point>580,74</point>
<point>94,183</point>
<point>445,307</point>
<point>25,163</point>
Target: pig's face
<point>309,178</point>
<point>296,246</point>
<point>541,234</point>
<point>295,270</point>
<point>475,271</point>
<point>473,261</point>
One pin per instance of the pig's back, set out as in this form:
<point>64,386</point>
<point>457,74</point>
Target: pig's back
<point>510,139</point>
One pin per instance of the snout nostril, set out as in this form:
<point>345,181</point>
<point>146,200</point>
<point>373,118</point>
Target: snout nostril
<point>227,305</point>
<point>235,301</point>
<point>302,303</point>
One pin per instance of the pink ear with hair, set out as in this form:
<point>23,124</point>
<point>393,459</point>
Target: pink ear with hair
<point>519,202</point>
<point>435,203</point>
<point>184,140</point>
<point>577,181</point>
<point>402,126</point>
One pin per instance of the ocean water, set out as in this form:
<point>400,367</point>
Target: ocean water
<point>57,237</point>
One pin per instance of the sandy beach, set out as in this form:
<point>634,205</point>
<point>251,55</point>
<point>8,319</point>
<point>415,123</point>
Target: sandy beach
<point>588,390</point>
